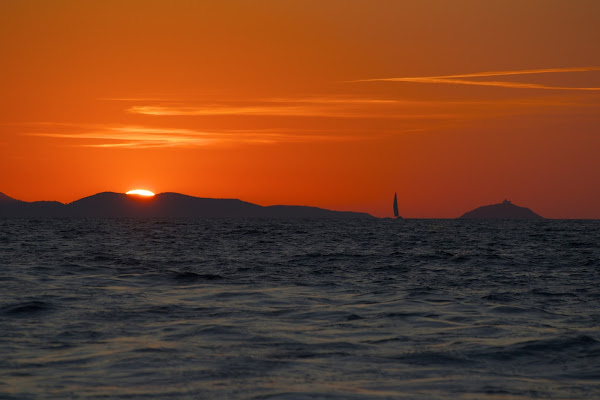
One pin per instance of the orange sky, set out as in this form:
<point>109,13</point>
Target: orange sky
<point>329,103</point>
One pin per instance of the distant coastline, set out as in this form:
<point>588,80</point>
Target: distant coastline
<point>169,204</point>
<point>111,204</point>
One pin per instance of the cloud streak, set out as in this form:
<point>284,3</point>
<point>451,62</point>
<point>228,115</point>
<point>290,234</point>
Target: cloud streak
<point>142,137</point>
<point>462,79</point>
<point>131,136</point>
<point>334,107</point>
<point>287,111</point>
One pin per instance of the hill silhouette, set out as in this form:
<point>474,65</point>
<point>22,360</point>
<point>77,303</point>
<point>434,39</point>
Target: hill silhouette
<point>110,204</point>
<point>504,210</point>
<point>14,207</point>
<point>4,199</point>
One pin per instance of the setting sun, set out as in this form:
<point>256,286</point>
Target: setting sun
<point>141,192</point>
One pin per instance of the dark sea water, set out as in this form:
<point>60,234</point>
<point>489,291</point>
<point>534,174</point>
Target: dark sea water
<point>299,309</point>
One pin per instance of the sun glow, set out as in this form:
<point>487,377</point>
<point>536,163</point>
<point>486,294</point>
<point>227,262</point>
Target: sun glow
<point>141,192</point>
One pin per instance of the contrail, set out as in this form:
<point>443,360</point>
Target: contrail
<point>459,79</point>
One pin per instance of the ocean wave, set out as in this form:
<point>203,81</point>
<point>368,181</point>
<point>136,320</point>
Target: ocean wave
<point>159,308</point>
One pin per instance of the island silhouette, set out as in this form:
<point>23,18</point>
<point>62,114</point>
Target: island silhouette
<point>168,204</point>
<point>504,210</point>
<point>111,204</point>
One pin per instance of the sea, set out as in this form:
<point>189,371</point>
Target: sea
<point>299,309</point>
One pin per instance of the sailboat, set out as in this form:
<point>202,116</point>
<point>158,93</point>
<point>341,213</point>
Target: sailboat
<point>396,206</point>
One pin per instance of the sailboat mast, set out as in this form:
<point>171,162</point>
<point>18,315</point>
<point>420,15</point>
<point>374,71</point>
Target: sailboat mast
<point>395,205</point>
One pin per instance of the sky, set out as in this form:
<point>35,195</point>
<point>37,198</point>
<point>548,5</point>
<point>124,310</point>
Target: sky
<point>329,103</point>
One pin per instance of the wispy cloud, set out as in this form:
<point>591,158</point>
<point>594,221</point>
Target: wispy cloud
<point>133,136</point>
<point>333,107</point>
<point>140,137</point>
<point>227,110</point>
<point>133,99</point>
<point>462,79</point>
<point>374,108</point>
<point>523,72</point>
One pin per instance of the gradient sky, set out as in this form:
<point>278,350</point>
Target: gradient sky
<point>329,103</point>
